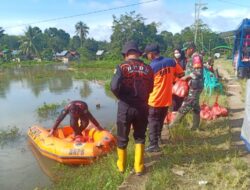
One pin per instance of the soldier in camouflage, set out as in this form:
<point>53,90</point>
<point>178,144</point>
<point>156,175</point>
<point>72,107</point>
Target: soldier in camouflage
<point>194,76</point>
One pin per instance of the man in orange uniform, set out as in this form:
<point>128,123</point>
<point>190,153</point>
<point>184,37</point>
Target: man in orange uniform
<point>165,70</point>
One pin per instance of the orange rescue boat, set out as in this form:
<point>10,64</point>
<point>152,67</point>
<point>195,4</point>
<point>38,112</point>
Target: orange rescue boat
<point>63,147</point>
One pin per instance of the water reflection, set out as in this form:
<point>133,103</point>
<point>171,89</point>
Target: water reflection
<point>85,91</point>
<point>37,78</point>
<point>47,165</point>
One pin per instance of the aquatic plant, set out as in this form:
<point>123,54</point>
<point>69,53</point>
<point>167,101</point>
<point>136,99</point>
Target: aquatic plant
<point>50,110</point>
<point>9,135</point>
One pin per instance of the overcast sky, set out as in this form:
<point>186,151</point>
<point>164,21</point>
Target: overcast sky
<point>174,15</point>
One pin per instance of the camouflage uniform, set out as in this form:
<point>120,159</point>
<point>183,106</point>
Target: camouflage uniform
<point>191,102</point>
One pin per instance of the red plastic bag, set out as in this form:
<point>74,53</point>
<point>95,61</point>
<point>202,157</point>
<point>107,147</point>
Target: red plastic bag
<point>204,106</point>
<point>214,112</point>
<point>205,112</point>
<point>170,117</point>
<point>224,112</point>
<point>207,115</point>
<point>219,110</point>
<point>180,88</point>
<point>216,109</point>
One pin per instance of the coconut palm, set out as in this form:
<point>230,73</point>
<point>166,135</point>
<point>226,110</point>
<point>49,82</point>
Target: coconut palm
<point>81,31</point>
<point>29,43</point>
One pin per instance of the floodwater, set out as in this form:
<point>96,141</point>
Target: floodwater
<point>22,91</point>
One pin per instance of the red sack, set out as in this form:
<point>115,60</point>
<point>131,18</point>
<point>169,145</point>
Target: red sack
<point>180,88</point>
<point>216,109</point>
<point>205,112</point>
<point>219,110</point>
<point>204,106</point>
<point>170,117</point>
<point>224,112</point>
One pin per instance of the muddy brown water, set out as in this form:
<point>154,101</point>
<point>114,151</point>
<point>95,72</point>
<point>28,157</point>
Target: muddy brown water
<point>22,91</point>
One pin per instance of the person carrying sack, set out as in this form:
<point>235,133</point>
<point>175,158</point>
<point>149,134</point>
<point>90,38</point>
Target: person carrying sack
<point>194,75</point>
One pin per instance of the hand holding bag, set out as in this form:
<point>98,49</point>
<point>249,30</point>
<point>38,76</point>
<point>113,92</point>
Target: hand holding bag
<point>180,88</point>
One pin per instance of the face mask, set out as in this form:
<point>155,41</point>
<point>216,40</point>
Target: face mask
<point>177,55</point>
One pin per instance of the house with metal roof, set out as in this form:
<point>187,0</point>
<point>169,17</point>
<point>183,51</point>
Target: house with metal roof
<point>66,56</point>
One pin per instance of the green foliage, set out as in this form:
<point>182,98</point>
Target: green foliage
<point>81,30</point>
<point>187,34</point>
<point>56,39</point>
<point>1,32</point>
<point>6,56</point>
<point>88,51</point>
<point>98,70</point>
<point>102,64</point>
<point>94,74</point>
<point>201,155</point>
<point>75,43</point>
<point>9,42</point>
<point>132,27</point>
<point>30,42</point>
<point>47,54</point>
<point>95,70</point>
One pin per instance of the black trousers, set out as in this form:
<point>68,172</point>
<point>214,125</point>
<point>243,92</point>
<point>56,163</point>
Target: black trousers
<point>75,125</point>
<point>155,123</point>
<point>131,116</point>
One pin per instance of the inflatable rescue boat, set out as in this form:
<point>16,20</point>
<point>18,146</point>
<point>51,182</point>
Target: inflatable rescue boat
<point>65,148</point>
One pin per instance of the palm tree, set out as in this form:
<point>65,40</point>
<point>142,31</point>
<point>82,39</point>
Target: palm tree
<point>29,45</point>
<point>81,31</point>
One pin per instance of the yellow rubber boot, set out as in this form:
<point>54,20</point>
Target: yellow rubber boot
<point>139,159</point>
<point>121,162</point>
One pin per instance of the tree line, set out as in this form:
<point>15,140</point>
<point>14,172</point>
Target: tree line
<point>129,26</point>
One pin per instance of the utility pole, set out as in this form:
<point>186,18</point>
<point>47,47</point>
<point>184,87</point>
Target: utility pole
<point>198,6</point>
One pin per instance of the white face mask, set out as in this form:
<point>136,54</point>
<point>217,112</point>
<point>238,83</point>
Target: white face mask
<point>177,55</point>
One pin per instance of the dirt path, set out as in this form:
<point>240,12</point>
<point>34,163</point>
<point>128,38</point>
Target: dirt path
<point>236,110</point>
<point>236,105</point>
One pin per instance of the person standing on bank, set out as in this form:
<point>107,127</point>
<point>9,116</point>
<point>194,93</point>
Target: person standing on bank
<point>165,70</point>
<point>194,74</point>
<point>131,84</point>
